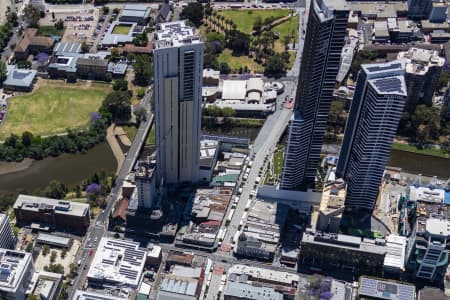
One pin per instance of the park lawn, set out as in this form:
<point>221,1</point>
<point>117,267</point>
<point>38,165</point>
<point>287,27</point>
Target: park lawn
<point>53,107</point>
<point>278,158</point>
<point>427,151</point>
<point>121,29</point>
<point>50,30</point>
<point>132,130</point>
<point>236,62</point>
<point>245,18</point>
<point>289,27</point>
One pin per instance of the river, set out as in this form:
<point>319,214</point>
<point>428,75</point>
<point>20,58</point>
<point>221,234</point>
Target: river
<point>415,163</point>
<point>69,169</point>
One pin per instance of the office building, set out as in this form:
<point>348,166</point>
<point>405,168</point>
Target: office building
<point>428,253</point>
<point>240,291</point>
<point>46,213</point>
<point>117,262</point>
<point>88,295</point>
<point>7,237</point>
<point>423,68</point>
<point>324,41</point>
<point>145,184</point>
<point>16,269</point>
<point>419,9</point>
<point>340,251</point>
<point>438,12</point>
<point>371,126</point>
<point>178,67</point>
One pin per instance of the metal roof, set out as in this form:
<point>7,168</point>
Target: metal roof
<point>380,289</point>
<point>247,291</point>
<point>20,77</point>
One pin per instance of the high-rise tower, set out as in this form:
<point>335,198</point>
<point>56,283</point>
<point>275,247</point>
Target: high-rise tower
<point>375,112</point>
<point>178,66</point>
<point>325,34</point>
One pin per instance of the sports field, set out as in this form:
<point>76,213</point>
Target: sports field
<point>53,107</point>
<point>121,29</point>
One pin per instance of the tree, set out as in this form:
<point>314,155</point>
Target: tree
<point>141,114</point>
<point>55,190</point>
<point>105,10</point>
<point>63,253</point>
<point>3,71</point>
<point>224,68</point>
<point>275,67</point>
<point>12,18</point>
<point>116,11</point>
<point>143,70</point>
<point>29,247</point>
<point>84,47</point>
<point>58,268</point>
<point>45,250</point>
<point>194,13</point>
<point>257,24</point>
<point>31,16</point>
<point>53,256</point>
<point>118,104</point>
<point>120,85</point>
<point>115,54</point>
<point>140,39</point>
<point>443,80</point>
<point>238,42</point>
<point>27,138</point>
<point>59,24</point>
<point>33,297</point>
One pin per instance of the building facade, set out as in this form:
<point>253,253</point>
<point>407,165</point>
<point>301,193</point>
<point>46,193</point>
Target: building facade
<point>324,40</point>
<point>419,9</point>
<point>7,237</point>
<point>178,65</point>
<point>423,68</point>
<point>52,213</point>
<point>371,126</point>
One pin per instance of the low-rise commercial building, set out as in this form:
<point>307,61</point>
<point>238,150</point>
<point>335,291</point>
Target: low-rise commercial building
<point>179,258</point>
<point>331,250</point>
<point>244,291</point>
<point>54,213</point>
<point>53,240</point>
<point>16,269</point>
<point>372,288</point>
<point>329,215</point>
<point>395,259</point>
<point>45,285</point>
<point>136,13</point>
<point>92,68</point>
<point>117,262</point>
<point>261,231</point>
<point>88,295</point>
<point>182,283</point>
<point>276,282</point>
<point>112,38</point>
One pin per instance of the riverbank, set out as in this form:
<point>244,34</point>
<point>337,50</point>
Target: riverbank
<point>425,151</point>
<point>12,167</point>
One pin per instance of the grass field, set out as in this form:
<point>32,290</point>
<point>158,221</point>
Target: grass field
<point>53,107</point>
<point>244,19</point>
<point>50,30</point>
<point>284,29</point>
<point>236,62</point>
<point>278,158</point>
<point>132,130</point>
<point>427,151</point>
<point>121,29</point>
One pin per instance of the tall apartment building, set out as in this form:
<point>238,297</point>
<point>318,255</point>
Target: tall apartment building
<point>178,66</point>
<point>419,9</point>
<point>145,184</point>
<point>373,119</point>
<point>7,237</point>
<point>423,68</point>
<point>324,40</point>
<point>16,269</point>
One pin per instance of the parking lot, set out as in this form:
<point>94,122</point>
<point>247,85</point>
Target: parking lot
<point>80,24</point>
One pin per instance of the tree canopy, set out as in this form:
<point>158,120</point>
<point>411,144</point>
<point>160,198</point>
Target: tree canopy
<point>194,13</point>
<point>118,104</point>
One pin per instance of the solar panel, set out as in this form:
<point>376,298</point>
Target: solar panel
<point>389,84</point>
<point>378,68</point>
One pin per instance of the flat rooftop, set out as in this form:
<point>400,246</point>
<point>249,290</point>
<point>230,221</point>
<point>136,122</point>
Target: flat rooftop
<point>175,34</point>
<point>419,61</point>
<point>283,278</point>
<point>382,289</point>
<point>20,77</point>
<point>86,295</point>
<point>118,261</point>
<point>62,207</point>
<point>13,265</point>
